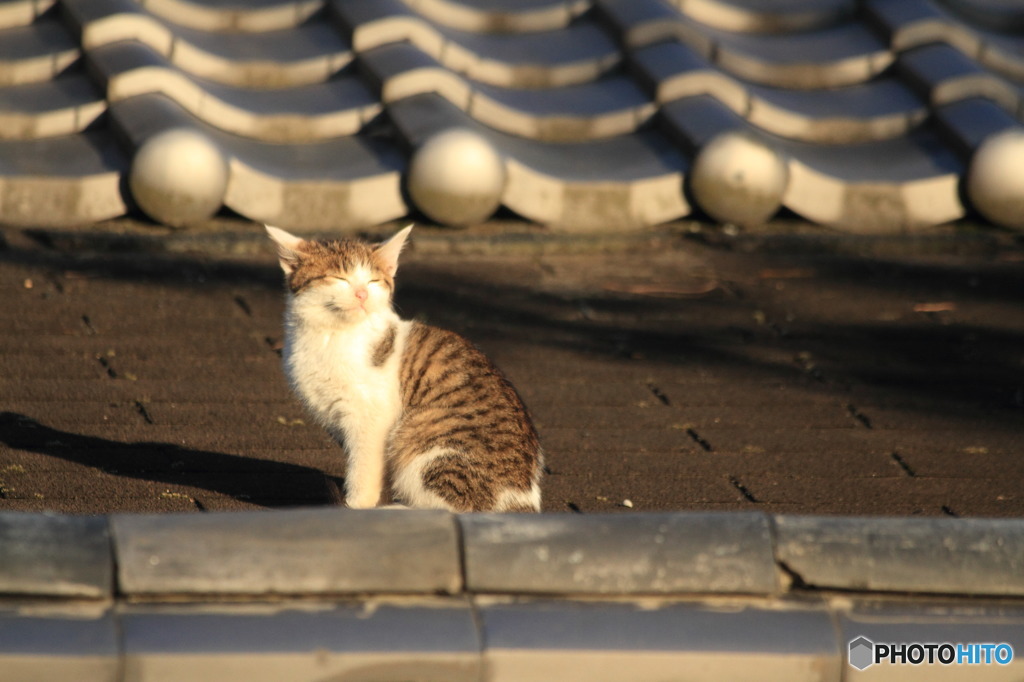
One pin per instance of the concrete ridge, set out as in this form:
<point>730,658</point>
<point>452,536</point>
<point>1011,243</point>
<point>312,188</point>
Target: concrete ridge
<point>326,593</point>
<point>317,552</point>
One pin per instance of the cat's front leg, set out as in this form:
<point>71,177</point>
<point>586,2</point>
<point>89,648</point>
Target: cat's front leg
<point>364,481</point>
<point>364,476</point>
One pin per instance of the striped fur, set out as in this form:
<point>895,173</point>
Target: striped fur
<point>416,408</point>
<point>460,408</point>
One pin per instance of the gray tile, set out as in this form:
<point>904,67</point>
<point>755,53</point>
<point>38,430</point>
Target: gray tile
<point>400,70</point>
<point>625,159</point>
<point>558,640</point>
<point>502,16</point>
<point>949,556</point>
<point>63,106</point>
<point>335,184</point>
<point>98,22</point>
<point>967,123</point>
<point>305,113</point>
<point>53,642</point>
<point>755,16</point>
<point>1002,52</point>
<point>841,55</point>
<point>694,121</point>
<point>576,54</point>
<point>910,158</point>
<point>662,61</point>
<point>606,107</point>
<point>419,117</point>
<point>905,184</point>
<point>55,556</point>
<point>997,15</point>
<point>611,105</point>
<point>308,53</point>
<point>909,23</point>
<point>894,16</point>
<point>626,182</point>
<point>82,183</point>
<point>23,12</point>
<point>374,640</point>
<point>927,67</point>
<point>880,109</point>
<point>372,23</point>
<point>942,74</point>
<point>252,17</point>
<point>297,552</point>
<point>389,60</point>
<point>639,23</point>
<point>672,70</point>
<point>338,183</point>
<point>582,47</point>
<point>619,554</point>
<point>36,52</point>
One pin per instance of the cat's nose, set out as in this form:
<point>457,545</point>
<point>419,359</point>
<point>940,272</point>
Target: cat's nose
<point>361,294</point>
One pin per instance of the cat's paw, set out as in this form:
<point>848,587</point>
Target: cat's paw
<point>361,502</point>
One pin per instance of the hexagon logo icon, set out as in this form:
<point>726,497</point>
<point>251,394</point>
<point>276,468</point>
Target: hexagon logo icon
<point>862,653</point>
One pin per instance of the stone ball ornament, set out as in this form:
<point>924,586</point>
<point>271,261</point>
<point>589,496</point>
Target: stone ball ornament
<point>995,178</point>
<point>178,177</point>
<point>456,177</point>
<point>738,178</point>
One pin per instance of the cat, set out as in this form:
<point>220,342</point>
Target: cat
<point>420,412</point>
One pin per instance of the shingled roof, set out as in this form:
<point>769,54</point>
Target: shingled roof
<point>878,116</point>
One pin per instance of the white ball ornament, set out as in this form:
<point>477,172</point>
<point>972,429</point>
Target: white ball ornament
<point>456,177</point>
<point>179,177</point>
<point>737,178</point>
<point>995,178</point>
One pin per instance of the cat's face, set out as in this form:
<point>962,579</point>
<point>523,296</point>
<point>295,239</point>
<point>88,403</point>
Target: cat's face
<point>339,281</point>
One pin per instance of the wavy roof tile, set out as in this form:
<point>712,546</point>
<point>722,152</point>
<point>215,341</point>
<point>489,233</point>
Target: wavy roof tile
<point>759,16</point>
<point>336,107</point>
<point>604,114</point>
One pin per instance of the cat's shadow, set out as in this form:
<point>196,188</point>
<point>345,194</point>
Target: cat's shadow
<point>255,481</point>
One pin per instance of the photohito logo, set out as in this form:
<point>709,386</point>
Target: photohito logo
<point>864,653</point>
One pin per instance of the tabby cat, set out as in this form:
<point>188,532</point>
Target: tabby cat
<point>421,413</point>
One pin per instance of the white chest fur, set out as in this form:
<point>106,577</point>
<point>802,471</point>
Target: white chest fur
<point>332,370</point>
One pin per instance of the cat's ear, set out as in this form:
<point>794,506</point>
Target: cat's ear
<point>289,248</point>
<point>389,250</point>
